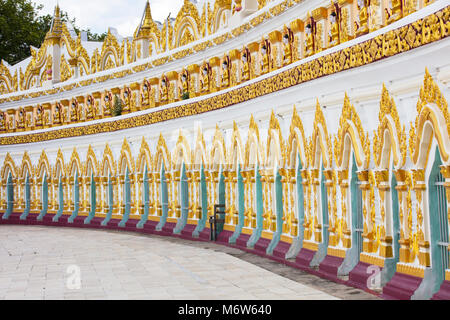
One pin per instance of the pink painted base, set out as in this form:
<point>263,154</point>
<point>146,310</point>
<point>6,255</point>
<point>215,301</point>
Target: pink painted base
<point>241,241</point>
<point>224,236</point>
<point>261,245</point>
<point>205,234</point>
<point>358,276</point>
<point>304,257</point>
<point>401,287</point>
<point>444,292</point>
<point>281,249</point>
<point>329,268</point>
<point>186,233</point>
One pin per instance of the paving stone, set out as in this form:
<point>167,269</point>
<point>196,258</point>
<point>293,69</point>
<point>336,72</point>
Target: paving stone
<point>122,265</point>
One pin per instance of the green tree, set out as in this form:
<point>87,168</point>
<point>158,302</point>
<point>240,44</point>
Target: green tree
<point>117,107</point>
<point>21,26</point>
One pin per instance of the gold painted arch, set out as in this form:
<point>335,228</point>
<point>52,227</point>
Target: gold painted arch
<point>237,148</point>
<point>144,158</point>
<point>253,145</point>
<point>390,135</point>
<point>432,114</point>
<point>351,135</point>
<point>321,139</point>
<point>162,155</point>
<point>126,158</point>
<point>43,166</point>
<point>182,152</point>
<point>8,166</point>
<point>275,155</point>
<point>91,161</point>
<point>26,166</point>
<point>218,150</point>
<point>108,163</point>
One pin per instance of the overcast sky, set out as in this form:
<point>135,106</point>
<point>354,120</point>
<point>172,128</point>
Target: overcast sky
<point>124,15</point>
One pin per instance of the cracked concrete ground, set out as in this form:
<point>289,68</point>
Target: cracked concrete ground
<point>38,262</point>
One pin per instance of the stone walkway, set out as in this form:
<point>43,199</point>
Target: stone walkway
<point>39,262</point>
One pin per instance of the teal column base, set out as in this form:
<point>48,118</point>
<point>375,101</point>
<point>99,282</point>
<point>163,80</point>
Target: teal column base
<point>57,216</point>
<point>236,234</point>
<point>272,245</point>
<point>73,216</point>
<point>256,234</point>
<point>42,214</point>
<point>107,218</point>
<point>25,213</point>
<point>8,212</point>
<point>90,216</point>
<point>297,244</point>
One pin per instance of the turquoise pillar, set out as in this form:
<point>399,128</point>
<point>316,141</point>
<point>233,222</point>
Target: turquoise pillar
<point>204,204</point>
<point>184,193</point>
<point>434,276</point>
<point>352,255</point>
<point>93,201</point>
<point>323,246</point>
<point>44,194</point>
<point>390,264</point>
<point>240,208</point>
<point>9,197</point>
<point>76,199</point>
<point>221,199</point>
<point>164,201</point>
<point>279,214</point>
<point>146,191</point>
<point>60,200</point>
<point>110,202</point>
<point>256,234</point>
<point>297,242</point>
<point>127,199</point>
<point>26,212</point>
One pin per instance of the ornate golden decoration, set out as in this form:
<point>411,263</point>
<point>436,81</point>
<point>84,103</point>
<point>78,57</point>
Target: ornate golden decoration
<point>348,122</point>
<point>389,120</point>
<point>296,75</point>
<point>108,163</point>
<point>430,95</point>
<point>90,157</point>
<point>8,163</point>
<point>321,133</point>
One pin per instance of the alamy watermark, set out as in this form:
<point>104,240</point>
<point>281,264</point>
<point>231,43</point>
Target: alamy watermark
<point>374,280</point>
<point>74,277</point>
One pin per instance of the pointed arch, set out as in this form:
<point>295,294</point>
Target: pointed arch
<point>58,169</point>
<point>110,50</point>
<point>351,134</point>
<point>108,163</point>
<point>74,164</point>
<point>91,162</point>
<point>8,166</point>
<point>253,146</point>
<point>162,155</point>
<point>321,139</point>
<point>432,115</point>
<point>187,20</point>
<point>390,136</point>
<point>275,145</point>
<point>200,156</point>
<point>26,166</point>
<point>43,166</point>
<point>144,158</point>
<point>237,148</point>
<point>126,158</point>
<point>182,152</point>
<point>218,149</point>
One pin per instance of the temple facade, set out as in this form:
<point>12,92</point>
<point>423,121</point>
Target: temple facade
<point>322,127</point>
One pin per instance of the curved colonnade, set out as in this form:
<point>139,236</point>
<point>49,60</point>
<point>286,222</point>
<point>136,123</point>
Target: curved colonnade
<point>317,185</point>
